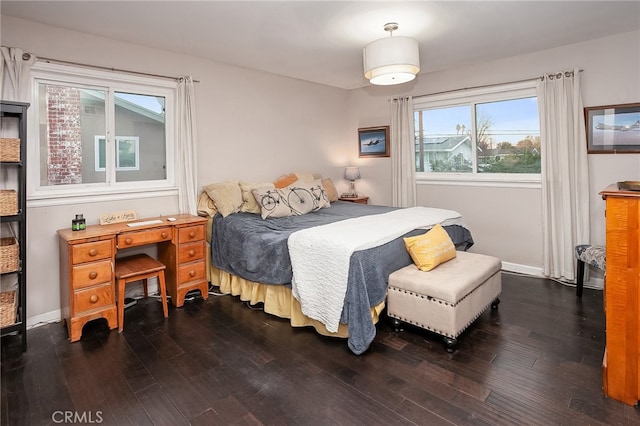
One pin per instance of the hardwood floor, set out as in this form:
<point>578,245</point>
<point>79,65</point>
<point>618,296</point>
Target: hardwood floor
<point>536,361</point>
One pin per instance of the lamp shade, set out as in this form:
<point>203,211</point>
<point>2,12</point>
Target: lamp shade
<point>391,60</point>
<point>351,173</point>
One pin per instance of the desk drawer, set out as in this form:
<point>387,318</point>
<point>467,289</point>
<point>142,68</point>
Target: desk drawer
<point>89,252</point>
<point>93,298</point>
<point>91,273</point>
<point>191,272</point>
<point>133,239</point>
<point>191,252</point>
<point>190,233</point>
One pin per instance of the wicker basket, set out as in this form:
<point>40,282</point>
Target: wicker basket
<point>10,150</point>
<point>8,202</point>
<point>7,308</point>
<point>9,256</point>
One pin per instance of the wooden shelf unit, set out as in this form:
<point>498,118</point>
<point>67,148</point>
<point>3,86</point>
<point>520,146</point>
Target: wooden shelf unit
<point>17,112</point>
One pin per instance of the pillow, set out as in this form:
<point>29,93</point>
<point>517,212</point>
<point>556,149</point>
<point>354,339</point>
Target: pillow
<point>305,177</point>
<point>285,180</point>
<point>249,203</point>
<point>294,200</point>
<point>227,196</point>
<point>320,195</point>
<point>271,202</point>
<point>206,206</point>
<point>330,189</point>
<point>431,248</point>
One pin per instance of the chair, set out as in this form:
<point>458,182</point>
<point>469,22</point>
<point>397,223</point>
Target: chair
<point>594,256</point>
<point>135,268</point>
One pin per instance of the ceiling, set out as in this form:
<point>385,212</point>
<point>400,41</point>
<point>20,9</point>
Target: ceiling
<point>322,41</point>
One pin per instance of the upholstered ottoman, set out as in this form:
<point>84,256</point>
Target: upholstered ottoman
<point>447,299</point>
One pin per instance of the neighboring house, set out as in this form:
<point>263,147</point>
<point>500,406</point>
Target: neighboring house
<point>445,148</point>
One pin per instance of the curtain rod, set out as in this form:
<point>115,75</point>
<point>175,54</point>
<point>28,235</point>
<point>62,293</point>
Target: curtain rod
<point>26,56</point>
<point>550,76</point>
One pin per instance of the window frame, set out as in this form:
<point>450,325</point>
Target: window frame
<point>110,82</point>
<point>471,97</point>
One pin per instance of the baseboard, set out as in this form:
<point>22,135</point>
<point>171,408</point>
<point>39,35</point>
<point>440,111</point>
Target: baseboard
<point>522,269</point>
<point>592,282</point>
<point>43,319</point>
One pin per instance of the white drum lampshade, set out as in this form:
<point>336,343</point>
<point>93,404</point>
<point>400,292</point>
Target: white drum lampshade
<point>391,60</point>
<point>352,174</point>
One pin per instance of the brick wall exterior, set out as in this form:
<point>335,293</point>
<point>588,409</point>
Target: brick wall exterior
<point>65,135</point>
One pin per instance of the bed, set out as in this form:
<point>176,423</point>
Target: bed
<point>250,259</point>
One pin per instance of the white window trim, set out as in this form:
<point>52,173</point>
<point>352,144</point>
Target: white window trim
<point>501,92</point>
<point>38,195</point>
<point>119,168</point>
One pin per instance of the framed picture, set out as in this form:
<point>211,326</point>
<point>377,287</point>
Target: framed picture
<point>373,142</point>
<point>613,129</point>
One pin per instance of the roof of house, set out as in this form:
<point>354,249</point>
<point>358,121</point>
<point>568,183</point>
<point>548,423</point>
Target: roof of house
<point>444,143</point>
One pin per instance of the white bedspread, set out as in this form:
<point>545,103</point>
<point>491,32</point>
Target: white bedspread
<point>320,255</point>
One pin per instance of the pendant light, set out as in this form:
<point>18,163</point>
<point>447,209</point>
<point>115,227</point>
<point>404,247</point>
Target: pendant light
<point>391,60</point>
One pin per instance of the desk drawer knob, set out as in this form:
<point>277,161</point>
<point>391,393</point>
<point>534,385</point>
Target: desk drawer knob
<point>164,235</point>
<point>93,275</point>
<point>192,273</point>
<point>93,298</point>
<point>93,252</point>
<point>128,241</point>
<point>192,234</point>
<point>192,253</point>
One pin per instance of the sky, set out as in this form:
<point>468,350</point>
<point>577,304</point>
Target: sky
<point>511,120</point>
<point>145,101</point>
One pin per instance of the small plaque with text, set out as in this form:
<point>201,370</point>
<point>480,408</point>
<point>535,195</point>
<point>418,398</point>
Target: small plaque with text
<point>117,217</point>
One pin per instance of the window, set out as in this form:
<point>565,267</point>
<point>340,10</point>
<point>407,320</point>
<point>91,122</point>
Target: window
<point>483,134</point>
<point>127,153</point>
<point>101,133</point>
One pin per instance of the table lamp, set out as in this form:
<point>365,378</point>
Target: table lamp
<point>352,174</point>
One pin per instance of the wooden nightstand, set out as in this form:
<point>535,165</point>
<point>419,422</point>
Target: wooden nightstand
<point>360,199</point>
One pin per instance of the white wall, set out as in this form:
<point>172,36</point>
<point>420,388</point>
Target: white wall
<point>506,222</point>
<point>256,126</point>
<point>251,126</point>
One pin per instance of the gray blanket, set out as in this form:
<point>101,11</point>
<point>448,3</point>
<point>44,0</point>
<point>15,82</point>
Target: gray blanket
<point>245,245</point>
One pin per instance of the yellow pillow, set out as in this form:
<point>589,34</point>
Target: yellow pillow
<point>431,248</point>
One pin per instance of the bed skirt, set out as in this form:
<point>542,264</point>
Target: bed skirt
<point>277,299</point>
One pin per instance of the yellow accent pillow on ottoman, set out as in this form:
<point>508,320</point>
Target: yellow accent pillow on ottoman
<point>431,248</point>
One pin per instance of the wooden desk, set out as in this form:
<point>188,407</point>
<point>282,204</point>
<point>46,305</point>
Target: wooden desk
<point>87,259</point>
<point>620,366</point>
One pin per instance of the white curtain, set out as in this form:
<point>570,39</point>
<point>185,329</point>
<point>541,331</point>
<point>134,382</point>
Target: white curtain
<point>15,70</point>
<point>403,164</point>
<point>565,174</point>
<point>14,74</point>
<point>187,144</point>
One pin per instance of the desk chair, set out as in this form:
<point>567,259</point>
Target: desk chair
<point>135,268</point>
<point>591,254</point>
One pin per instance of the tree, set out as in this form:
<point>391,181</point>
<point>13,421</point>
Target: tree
<point>484,134</point>
<point>457,129</point>
<point>529,143</point>
<point>504,145</point>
